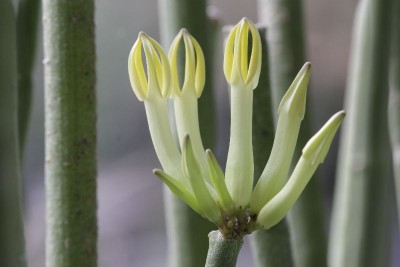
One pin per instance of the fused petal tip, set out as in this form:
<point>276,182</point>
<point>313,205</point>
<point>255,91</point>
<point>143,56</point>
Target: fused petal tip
<point>318,146</point>
<point>194,75</point>
<point>294,100</point>
<point>238,68</point>
<point>157,81</point>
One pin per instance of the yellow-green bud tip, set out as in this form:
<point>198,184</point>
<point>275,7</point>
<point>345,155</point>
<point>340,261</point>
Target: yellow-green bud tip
<point>194,64</point>
<point>294,100</point>
<point>238,69</point>
<point>318,146</point>
<point>158,79</point>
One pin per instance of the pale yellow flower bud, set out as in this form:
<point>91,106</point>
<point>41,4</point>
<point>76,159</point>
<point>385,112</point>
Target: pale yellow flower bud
<point>158,79</point>
<point>238,69</point>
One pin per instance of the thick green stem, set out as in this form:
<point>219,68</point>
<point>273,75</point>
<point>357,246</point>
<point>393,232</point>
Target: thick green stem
<point>359,233</point>
<point>12,250</point>
<point>187,231</point>
<point>283,19</point>
<point>70,108</point>
<point>222,252</point>
<point>27,21</point>
<point>394,100</point>
<point>269,247</point>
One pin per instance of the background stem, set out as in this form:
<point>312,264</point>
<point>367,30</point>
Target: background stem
<point>394,99</point>
<point>359,234</point>
<point>222,252</point>
<point>270,247</point>
<point>27,21</point>
<point>284,22</point>
<point>70,108</point>
<point>186,230</point>
<point>12,250</point>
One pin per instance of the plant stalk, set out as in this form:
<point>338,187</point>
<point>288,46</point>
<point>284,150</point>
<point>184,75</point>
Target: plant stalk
<point>186,230</point>
<point>27,21</point>
<point>359,233</point>
<point>12,248</point>
<point>222,252</point>
<point>270,247</point>
<point>284,22</point>
<point>70,126</point>
<point>394,100</point>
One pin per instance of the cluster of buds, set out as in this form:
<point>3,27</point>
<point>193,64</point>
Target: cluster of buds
<point>192,173</point>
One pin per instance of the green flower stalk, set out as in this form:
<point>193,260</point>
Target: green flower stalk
<point>193,174</point>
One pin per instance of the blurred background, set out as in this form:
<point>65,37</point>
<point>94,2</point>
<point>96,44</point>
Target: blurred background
<point>131,219</point>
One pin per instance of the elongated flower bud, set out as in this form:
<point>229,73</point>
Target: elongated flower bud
<point>218,180</point>
<point>194,75</point>
<point>314,153</point>
<point>192,169</point>
<point>158,80</point>
<point>291,113</point>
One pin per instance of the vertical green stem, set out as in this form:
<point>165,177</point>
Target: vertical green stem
<point>222,252</point>
<point>269,247</point>
<point>70,108</point>
<point>12,251</point>
<point>27,21</point>
<point>394,99</point>
<point>187,231</point>
<point>359,234</point>
<point>284,22</point>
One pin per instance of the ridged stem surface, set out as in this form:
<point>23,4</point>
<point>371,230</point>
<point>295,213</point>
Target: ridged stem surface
<point>70,128</point>
<point>222,252</point>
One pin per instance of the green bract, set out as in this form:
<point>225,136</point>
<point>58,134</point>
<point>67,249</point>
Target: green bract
<point>193,174</point>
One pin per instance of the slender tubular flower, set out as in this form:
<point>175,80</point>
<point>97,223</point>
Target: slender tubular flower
<point>291,112</point>
<point>314,153</point>
<point>185,97</point>
<point>242,73</point>
<point>153,90</point>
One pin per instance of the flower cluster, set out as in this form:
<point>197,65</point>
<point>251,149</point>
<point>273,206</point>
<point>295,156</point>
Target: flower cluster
<point>192,173</point>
